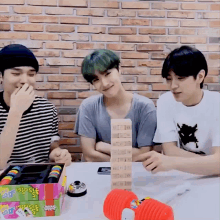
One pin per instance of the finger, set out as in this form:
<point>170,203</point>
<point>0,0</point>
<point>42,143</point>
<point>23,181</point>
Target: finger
<point>30,89</point>
<point>144,156</point>
<point>16,91</point>
<point>156,170</point>
<point>24,87</point>
<point>151,166</point>
<point>148,161</point>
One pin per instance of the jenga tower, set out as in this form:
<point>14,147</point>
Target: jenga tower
<point>121,154</point>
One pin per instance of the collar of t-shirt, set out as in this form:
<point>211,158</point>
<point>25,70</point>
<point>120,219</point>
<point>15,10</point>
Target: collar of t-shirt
<point>4,105</point>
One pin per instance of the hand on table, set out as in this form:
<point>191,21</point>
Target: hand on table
<point>156,162</point>
<point>61,156</point>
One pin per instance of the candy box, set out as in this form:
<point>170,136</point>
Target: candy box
<point>36,190</point>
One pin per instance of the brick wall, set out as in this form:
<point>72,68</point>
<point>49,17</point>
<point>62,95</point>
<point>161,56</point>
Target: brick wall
<point>62,32</point>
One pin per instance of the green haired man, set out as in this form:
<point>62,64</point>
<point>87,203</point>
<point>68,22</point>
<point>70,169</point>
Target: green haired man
<point>102,69</point>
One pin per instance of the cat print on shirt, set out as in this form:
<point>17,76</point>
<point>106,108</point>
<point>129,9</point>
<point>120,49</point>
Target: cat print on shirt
<point>187,135</point>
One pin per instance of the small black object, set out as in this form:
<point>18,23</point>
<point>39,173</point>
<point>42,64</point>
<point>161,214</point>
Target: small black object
<point>77,189</point>
<point>104,170</point>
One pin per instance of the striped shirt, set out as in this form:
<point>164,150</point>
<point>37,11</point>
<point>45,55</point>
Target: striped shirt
<point>38,125</point>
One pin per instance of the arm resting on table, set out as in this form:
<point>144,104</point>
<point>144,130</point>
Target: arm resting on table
<point>90,153</point>
<point>192,163</point>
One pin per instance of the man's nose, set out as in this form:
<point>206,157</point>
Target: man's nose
<point>174,84</point>
<point>104,83</point>
<point>23,79</point>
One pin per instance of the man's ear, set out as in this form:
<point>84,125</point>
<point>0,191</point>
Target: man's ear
<point>201,76</point>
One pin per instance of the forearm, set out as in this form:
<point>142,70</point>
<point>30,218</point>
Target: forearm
<point>96,156</point>
<point>8,136</point>
<point>206,165</point>
<point>137,152</point>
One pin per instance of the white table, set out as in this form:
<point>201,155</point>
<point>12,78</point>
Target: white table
<point>202,202</point>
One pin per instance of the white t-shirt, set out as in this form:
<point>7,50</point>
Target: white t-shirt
<point>195,128</point>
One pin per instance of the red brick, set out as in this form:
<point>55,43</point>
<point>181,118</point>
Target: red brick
<point>149,47</point>
<point>213,63</point>
<point>215,7</point>
<point>46,86</point>
<point>43,19</point>
<point>59,11</point>
<point>151,63</point>
<point>68,118</point>
<point>60,78</point>
<point>75,37</point>
<point>152,14</point>
<point>61,95</point>
<point>215,72</point>
<point>137,38</point>
<point>91,12</point>
<point>194,6</point>
<point>76,53</point>
<point>44,36</point>
<point>12,18</point>
<point>214,56</point>
<point>126,63</point>
<point>72,102</point>
<point>180,14</point>
<point>134,5</point>
<point>47,53</point>
<point>165,23</point>
<point>59,45</point>
<point>48,70</point>
<point>105,37</point>
<point>182,31</point>
<point>214,32</point>
<point>79,62</point>
<point>106,21</point>
<point>209,48</point>
<point>122,30</point>
<point>193,40</point>
<point>122,47</point>
<point>91,29</point>
<point>95,4</point>
<point>81,79</point>
<point>43,2</point>
<point>89,46</point>
<point>4,8</point>
<point>164,39</point>
<point>12,2</point>
<point>74,20</point>
<point>40,93</point>
<point>134,87</point>
<point>60,28</point>
<point>39,78</point>
<point>150,95</point>
<point>154,31</point>
<point>83,95</point>
<point>29,27</point>
<point>155,71</point>
<point>66,126</point>
<point>147,79</point>
<point>211,15</point>
<point>13,35</point>
<point>211,79</point>
<point>198,23</point>
<point>127,79</point>
<point>60,61</point>
<point>160,87</point>
<point>56,102</point>
<point>214,24</point>
<point>158,56</point>
<point>5,27</point>
<point>134,71</point>
<point>134,55</point>
<point>121,13</point>
<point>27,10</point>
<point>40,61</point>
<point>72,70</point>
<point>162,6</point>
<point>31,44</point>
<point>69,134</point>
<point>139,22</point>
<point>75,86</point>
<point>73,3</point>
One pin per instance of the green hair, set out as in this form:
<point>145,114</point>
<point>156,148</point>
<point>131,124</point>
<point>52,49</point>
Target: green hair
<point>100,60</point>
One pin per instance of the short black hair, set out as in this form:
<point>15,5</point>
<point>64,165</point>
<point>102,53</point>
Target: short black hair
<point>100,60</point>
<point>185,61</point>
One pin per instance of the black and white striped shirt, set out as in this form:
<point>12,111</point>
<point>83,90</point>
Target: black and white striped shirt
<point>39,123</point>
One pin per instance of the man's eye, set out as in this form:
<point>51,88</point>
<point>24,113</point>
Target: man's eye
<point>16,74</point>
<point>107,73</point>
<point>94,80</point>
<point>181,78</point>
<point>31,75</point>
<point>168,79</point>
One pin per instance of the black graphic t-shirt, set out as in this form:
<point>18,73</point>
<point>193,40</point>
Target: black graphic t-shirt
<point>195,128</point>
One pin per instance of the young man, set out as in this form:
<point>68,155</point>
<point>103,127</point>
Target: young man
<point>101,69</point>
<point>28,123</point>
<point>188,123</point>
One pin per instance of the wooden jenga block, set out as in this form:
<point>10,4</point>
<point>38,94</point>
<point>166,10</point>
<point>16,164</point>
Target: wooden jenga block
<point>121,154</point>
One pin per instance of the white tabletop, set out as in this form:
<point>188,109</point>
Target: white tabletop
<point>202,202</point>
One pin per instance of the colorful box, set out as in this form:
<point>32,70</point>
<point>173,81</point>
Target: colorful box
<point>30,194</point>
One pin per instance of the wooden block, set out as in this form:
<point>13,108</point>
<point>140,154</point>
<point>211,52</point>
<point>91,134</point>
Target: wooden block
<point>121,154</point>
